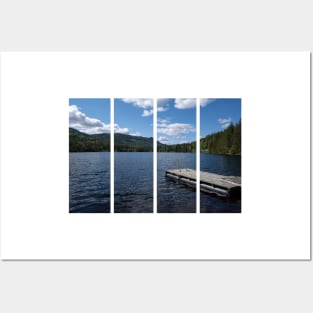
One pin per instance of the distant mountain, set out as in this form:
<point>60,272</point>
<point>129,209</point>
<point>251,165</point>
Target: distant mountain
<point>227,141</point>
<point>81,142</point>
<point>127,143</point>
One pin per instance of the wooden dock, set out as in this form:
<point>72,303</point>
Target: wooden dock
<point>222,186</point>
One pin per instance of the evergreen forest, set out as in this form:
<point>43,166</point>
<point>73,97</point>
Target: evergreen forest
<point>227,141</point>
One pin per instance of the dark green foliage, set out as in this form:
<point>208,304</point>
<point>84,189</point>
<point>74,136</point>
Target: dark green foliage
<point>127,143</point>
<point>183,147</point>
<point>81,142</point>
<point>227,141</point>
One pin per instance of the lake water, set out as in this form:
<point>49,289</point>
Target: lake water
<point>89,178</point>
<point>223,165</point>
<point>133,182</point>
<point>173,197</point>
<point>89,182</point>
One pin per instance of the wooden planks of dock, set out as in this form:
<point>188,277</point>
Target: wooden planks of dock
<point>220,185</point>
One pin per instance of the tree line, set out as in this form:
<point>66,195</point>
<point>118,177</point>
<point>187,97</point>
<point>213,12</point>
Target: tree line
<point>182,147</point>
<point>227,141</point>
<point>81,142</point>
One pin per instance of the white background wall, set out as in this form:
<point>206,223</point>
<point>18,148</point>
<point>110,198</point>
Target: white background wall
<point>44,286</point>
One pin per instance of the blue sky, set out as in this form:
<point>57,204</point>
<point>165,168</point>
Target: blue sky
<point>135,116</point>
<point>176,117</point>
<point>91,116</point>
<point>217,114</point>
<point>131,116</point>
<point>176,120</point>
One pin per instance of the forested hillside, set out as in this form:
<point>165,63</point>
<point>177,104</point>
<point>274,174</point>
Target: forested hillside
<point>227,141</point>
<point>81,142</point>
<point>127,143</point>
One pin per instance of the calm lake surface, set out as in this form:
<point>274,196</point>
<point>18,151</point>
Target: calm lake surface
<point>89,182</point>
<point>173,197</point>
<point>133,182</point>
<point>223,165</point>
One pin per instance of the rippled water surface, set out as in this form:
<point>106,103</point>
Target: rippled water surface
<point>133,182</point>
<point>173,197</point>
<point>89,182</point>
<point>223,165</point>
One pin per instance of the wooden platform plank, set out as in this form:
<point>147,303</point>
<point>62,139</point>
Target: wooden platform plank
<point>225,186</point>
<point>227,182</point>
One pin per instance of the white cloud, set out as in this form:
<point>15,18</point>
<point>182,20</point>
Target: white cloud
<point>147,112</point>
<point>175,129</point>
<point>88,125</point>
<point>163,140</point>
<point>224,122</point>
<point>163,121</point>
<point>162,109</point>
<point>225,125</point>
<point>140,103</point>
<point>118,129</point>
<point>185,103</point>
<point>85,124</point>
<point>145,104</point>
<point>205,102</point>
